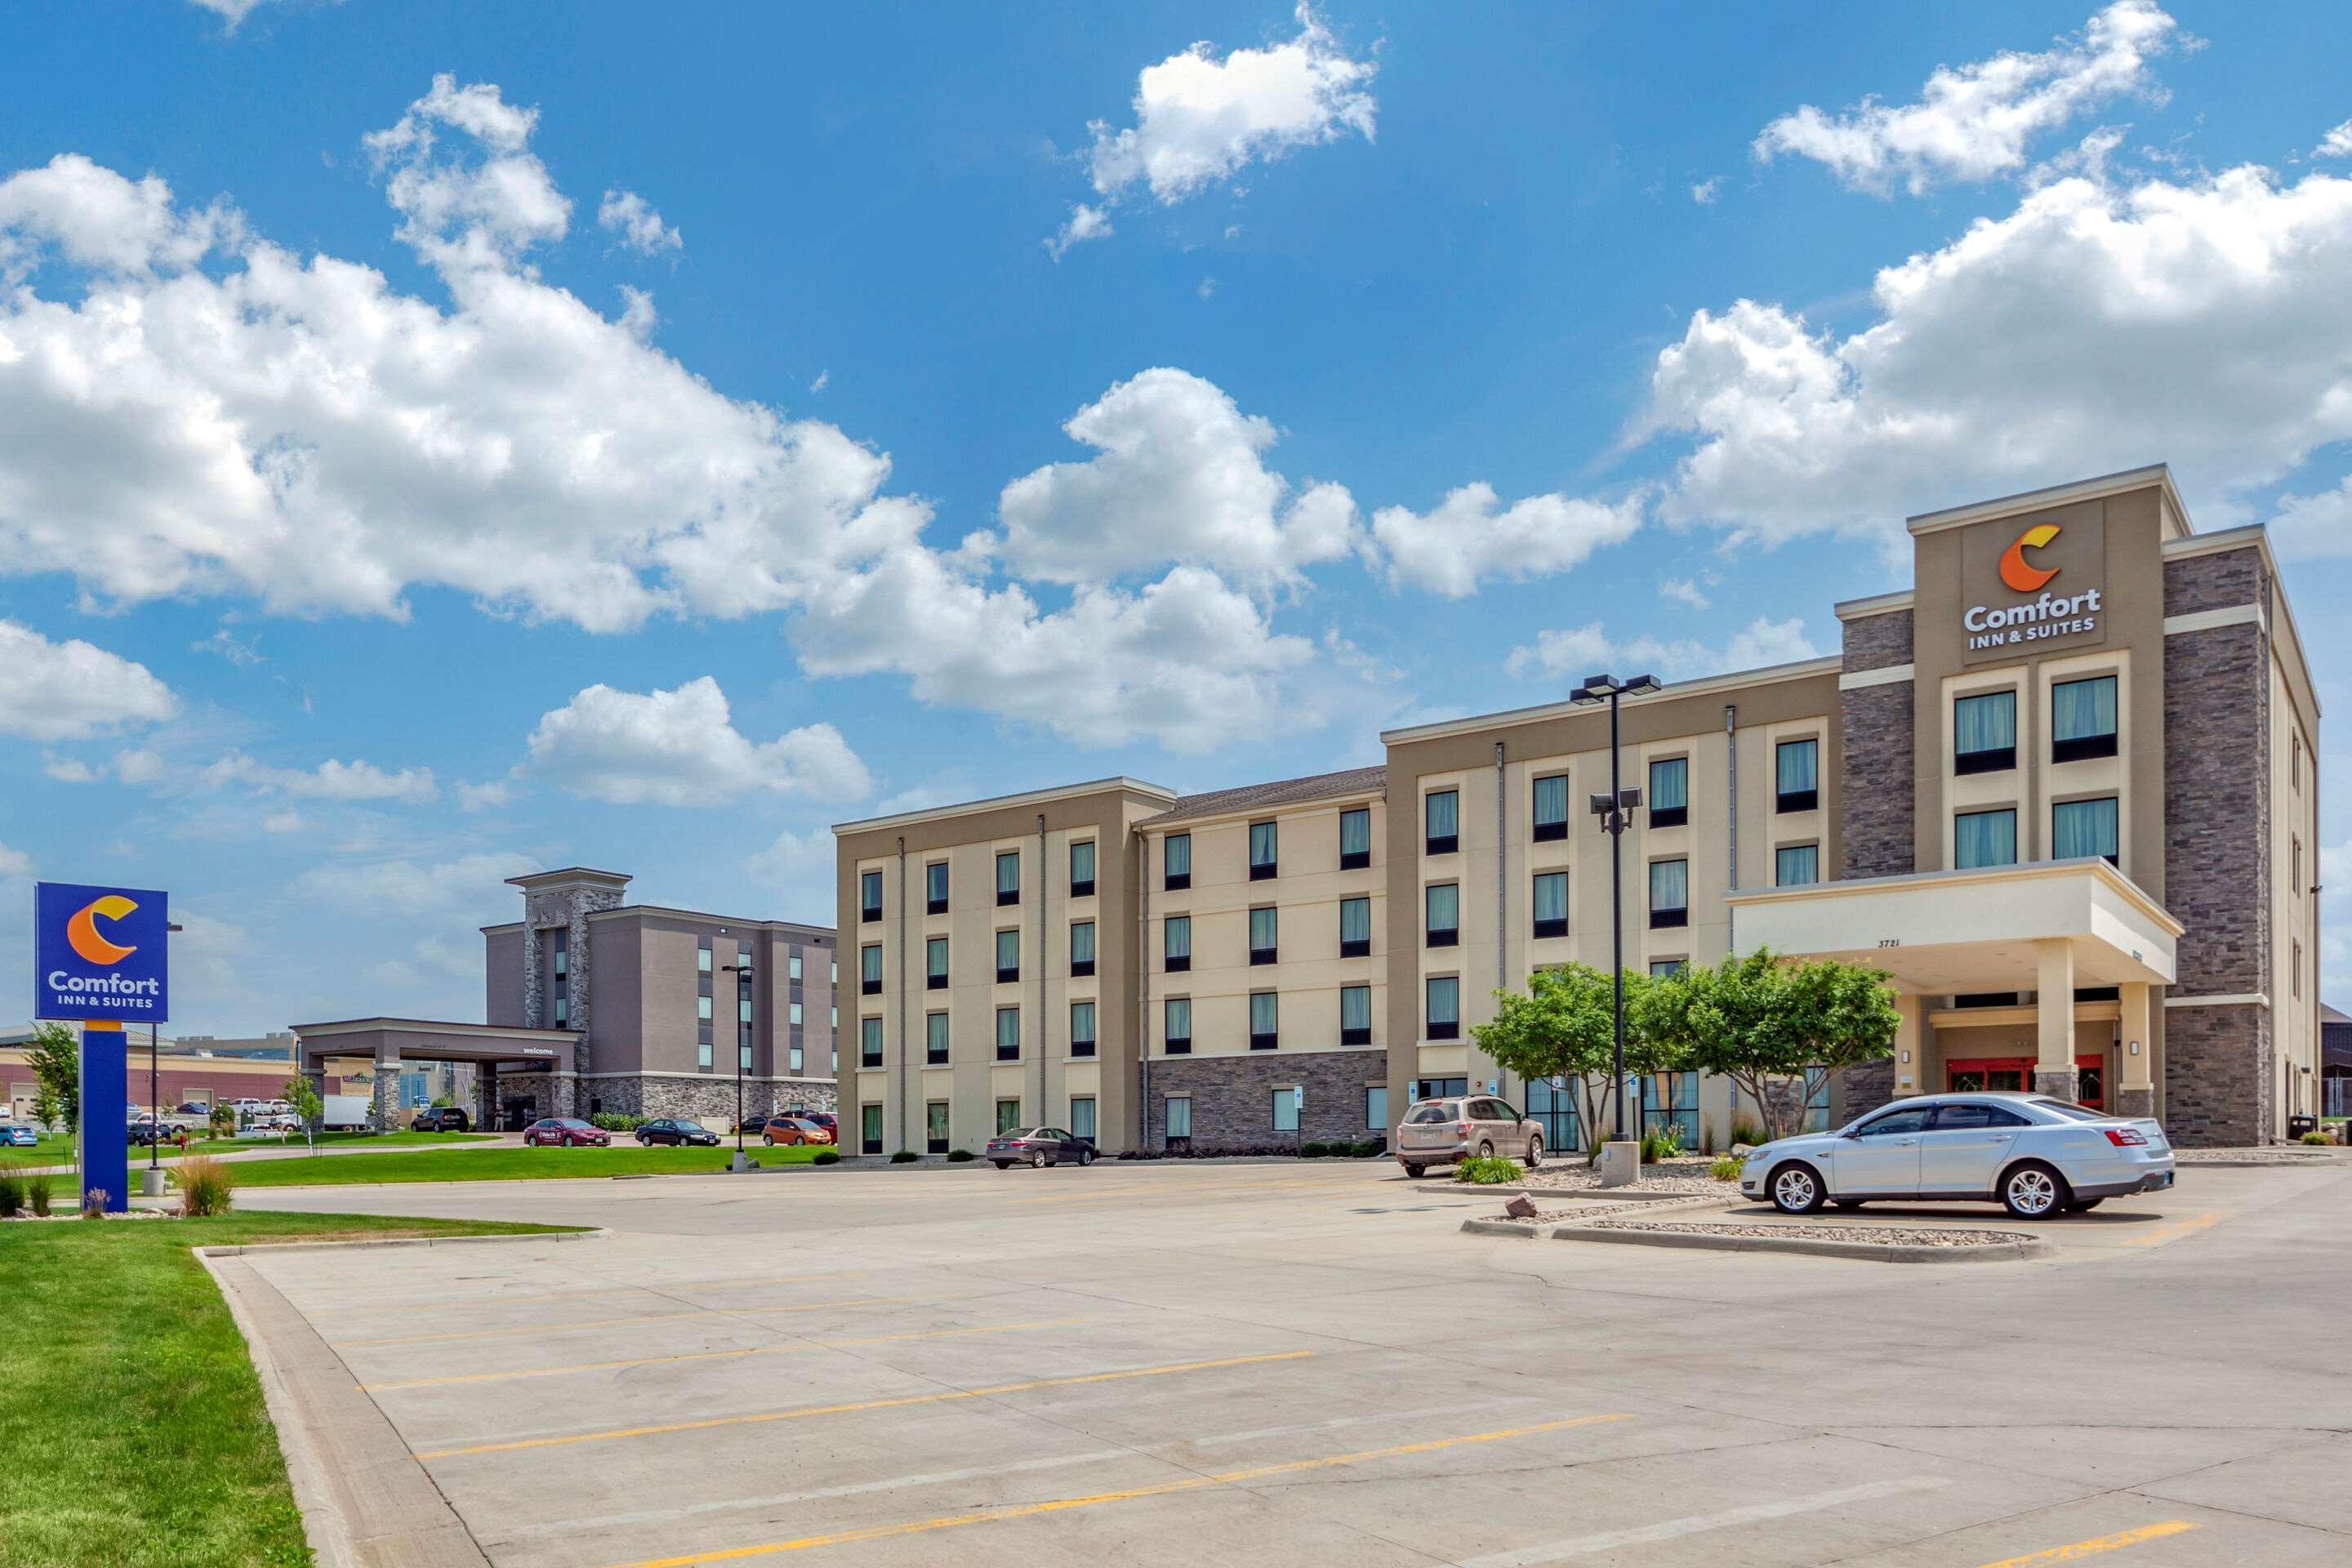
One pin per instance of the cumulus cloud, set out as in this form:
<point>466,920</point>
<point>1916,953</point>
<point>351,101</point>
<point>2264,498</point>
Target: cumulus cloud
<point>2336,143</point>
<point>681,748</point>
<point>1579,651</point>
<point>1470,536</point>
<point>1974,122</point>
<point>15,862</point>
<point>1706,191</point>
<point>1085,223</point>
<point>631,219</point>
<point>484,796</point>
<point>2036,347</point>
<point>71,690</point>
<point>404,886</point>
<point>232,13</point>
<point>797,874</point>
<point>1683,591</point>
<point>331,780</point>
<point>2314,527</point>
<point>1177,476</point>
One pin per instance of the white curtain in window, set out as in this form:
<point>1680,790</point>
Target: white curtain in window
<point>1008,949</point>
<point>1264,1015</point>
<point>1443,814</point>
<point>1285,1109</point>
<point>1008,873</point>
<point>1444,999</point>
<point>1551,799</point>
<point>1355,1006</point>
<point>1008,1028</point>
<point>935,955</point>
<point>1551,896</point>
<point>1262,844</point>
<point>935,1033</point>
<point>1178,855</point>
<point>1670,784</point>
<point>1798,865</point>
<point>1082,1115</point>
<point>1355,831</point>
<point>2084,828</point>
<point>1180,1017</point>
<point>1797,763</point>
<point>1444,906</point>
<point>1178,935</point>
<point>1261,931</point>
<point>1984,838</point>
<point>1670,884</point>
<point>1180,1116</point>
<point>1082,1023</point>
<point>1082,943</point>
<point>1082,862</point>
<point>2081,708</point>
<point>1355,919</point>
<point>1985,723</point>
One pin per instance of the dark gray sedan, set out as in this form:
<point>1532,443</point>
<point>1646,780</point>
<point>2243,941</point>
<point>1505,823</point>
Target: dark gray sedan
<point>669,1130</point>
<point>1039,1147</point>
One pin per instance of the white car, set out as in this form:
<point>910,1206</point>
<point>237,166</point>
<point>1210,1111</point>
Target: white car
<point>2036,1155</point>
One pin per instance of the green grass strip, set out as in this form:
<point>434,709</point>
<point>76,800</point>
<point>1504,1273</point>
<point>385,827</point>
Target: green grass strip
<point>503,1165</point>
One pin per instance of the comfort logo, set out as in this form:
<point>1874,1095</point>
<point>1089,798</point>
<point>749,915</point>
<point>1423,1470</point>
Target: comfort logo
<point>2021,576</point>
<point>81,931</point>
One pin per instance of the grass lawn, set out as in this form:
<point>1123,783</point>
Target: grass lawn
<point>504,1165</point>
<point>132,1422</point>
<point>59,1149</point>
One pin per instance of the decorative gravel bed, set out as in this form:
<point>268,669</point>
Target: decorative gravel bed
<point>1880,1235</point>
<point>2299,1156</point>
<point>1667,1176</point>
<point>1585,1213</point>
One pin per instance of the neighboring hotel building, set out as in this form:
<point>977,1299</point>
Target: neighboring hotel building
<point>2064,791</point>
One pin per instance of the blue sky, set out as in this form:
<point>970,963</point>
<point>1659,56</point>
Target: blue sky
<point>447,440</point>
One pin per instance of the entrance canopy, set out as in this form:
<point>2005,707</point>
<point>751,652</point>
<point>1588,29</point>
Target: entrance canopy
<point>1946,932</point>
<point>391,1040</point>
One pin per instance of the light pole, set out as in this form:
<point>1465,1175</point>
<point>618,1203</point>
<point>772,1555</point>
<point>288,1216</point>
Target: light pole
<point>1614,810</point>
<point>154,1185</point>
<point>742,974</point>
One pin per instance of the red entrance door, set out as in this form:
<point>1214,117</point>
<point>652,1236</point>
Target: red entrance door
<point>1979,1074</point>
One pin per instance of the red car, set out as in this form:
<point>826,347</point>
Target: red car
<point>565,1132</point>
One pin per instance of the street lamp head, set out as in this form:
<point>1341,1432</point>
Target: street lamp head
<point>1601,804</point>
<point>1596,689</point>
<point>1642,686</point>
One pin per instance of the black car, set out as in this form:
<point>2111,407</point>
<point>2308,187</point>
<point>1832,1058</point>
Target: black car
<point>442,1119</point>
<point>669,1130</point>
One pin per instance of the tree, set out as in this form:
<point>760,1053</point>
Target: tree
<point>307,1105</point>
<point>1564,1027</point>
<point>1762,1021</point>
<point>55,1059</point>
<point>1656,1044</point>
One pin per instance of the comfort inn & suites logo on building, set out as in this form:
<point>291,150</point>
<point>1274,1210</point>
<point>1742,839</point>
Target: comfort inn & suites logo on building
<point>2038,618</point>
<point>101,951</point>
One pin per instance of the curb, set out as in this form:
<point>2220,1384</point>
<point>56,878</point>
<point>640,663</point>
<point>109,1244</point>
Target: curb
<point>257,1248</point>
<point>2023,1249</point>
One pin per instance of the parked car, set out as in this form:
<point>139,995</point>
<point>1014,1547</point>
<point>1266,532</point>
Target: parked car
<point>2035,1155</point>
<point>147,1129</point>
<point>442,1119</point>
<point>16,1135</point>
<point>565,1132</point>
<point>825,1119</point>
<point>202,1112</point>
<point>753,1123</point>
<point>1039,1147</point>
<point>790,1130</point>
<point>669,1130</point>
<point>1447,1131</point>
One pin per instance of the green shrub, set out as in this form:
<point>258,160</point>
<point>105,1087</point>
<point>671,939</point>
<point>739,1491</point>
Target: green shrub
<point>1313,1150</point>
<point>1660,1144</point>
<point>1746,1131</point>
<point>904,1157</point>
<point>1725,1170</point>
<point>204,1185</point>
<point>12,1195</point>
<point>1490,1171</point>
<point>1367,1149</point>
<point>958,1156</point>
<point>2316,1136</point>
<point>617,1121</point>
<point>827,1157</point>
<point>38,1193</point>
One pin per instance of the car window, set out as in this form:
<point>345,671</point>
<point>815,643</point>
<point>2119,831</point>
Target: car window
<point>1893,1122</point>
<point>2072,1111</point>
<point>1431,1114</point>
<point>1959,1117</point>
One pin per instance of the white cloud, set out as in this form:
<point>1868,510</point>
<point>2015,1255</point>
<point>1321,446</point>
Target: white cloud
<point>1177,476</point>
<point>681,748</point>
<point>1706,191</point>
<point>232,13</point>
<point>223,642</point>
<point>70,690</point>
<point>797,874</point>
<point>1206,288</point>
<point>1580,651</point>
<point>399,886</point>
<point>1683,591</point>
<point>15,862</point>
<point>1973,122</point>
<point>2336,143</point>
<point>632,218</point>
<point>2037,347</point>
<point>331,780</point>
<point>484,796</point>
<point>824,379</point>
<point>143,765</point>
<point>1199,120</point>
<point>2314,527</point>
<point>286,821</point>
<point>1467,539</point>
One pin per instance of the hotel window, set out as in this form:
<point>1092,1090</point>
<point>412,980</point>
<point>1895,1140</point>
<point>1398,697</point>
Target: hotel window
<point>1356,838</point>
<point>935,888</point>
<point>1551,807</point>
<point>562,1009</point>
<point>870,895</point>
<point>2297,978</point>
<point>1082,1115</point>
<point>1355,1015</point>
<point>1082,947</point>
<point>795,1059</point>
<point>1082,1030</point>
<point>1442,915</point>
<point>1176,862</point>
<point>1008,877</point>
<point>1551,903</point>
<point>1984,838</point>
<point>702,1049</point>
<point>1285,1108</point>
<point>832,972</point>
<point>2295,876</point>
<point>2083,718</point>
<point>1008,1033</point>
<point>1262,935</point>
<point>702,1008</point>
<point>2084,828</point>
<point>562,953</point>
<point>1178,1035</point>
<point>795,974</point>
<point>1008,956</point>
<point>1667,968</point>
<point>1355,928</point>
<point>1984,734</point>
<point>1180,1116</point>
<point>1265,1021</point>
<point>792,1011</point>
<point>869,969</point>
<point>1669,893</point>
<point>702,958</point>
<point>1082,870</point>
<point>1442,997</point>
<point>935,1039</point>
<point>1176,944</point>
<point>869,1129</point>
<point>1441,812</point>
<point>1797,774</point>
<point>869,1042</point>
<point>1797,866</point>
<point>1008,1116</point>
<point>1670,792</point>
<point>935,964</point>
<point>1376,1108</point>
<point>1263,844</point>
<point>935,1126</point>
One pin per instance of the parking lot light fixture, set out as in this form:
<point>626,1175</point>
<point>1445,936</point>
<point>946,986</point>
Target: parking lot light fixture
<point>1615,812</point>
<point>742,974</point>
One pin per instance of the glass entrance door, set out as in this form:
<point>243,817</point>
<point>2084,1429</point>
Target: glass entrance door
<point>2015,1075</point>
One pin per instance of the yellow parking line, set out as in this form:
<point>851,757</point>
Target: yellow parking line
<point>532,1298</point>
<point>647,1318</point>
<point>862,1404</point>
<point>2172,1232</point>
<point>716,1355</point>
<point>1161,1488</point>
<point>2082,1549</point>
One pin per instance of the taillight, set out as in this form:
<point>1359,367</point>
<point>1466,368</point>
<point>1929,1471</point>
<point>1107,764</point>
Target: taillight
<point>2126,1137</point>
<point>1463,1131</point>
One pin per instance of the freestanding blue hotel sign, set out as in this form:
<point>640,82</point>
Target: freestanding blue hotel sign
<point>101,957</point>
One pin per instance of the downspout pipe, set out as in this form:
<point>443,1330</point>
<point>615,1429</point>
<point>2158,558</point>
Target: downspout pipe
<point>904,1055</point>
<point>1045,891</point>
<point>1143,993</point>
<point>1731,850</point>
<point>1501,887</point>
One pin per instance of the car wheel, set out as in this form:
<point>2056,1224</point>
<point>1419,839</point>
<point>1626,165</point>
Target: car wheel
<point>767,1141</point>
<point>1002,1164</point>
<point>1795,1189</point>
<point>1534,1153</point>
<point>1413,1172</point>
<point>2033,1191</point>
<point>1086,1157</point>
<point>1037,1162</point>
<point>1486,1150</point>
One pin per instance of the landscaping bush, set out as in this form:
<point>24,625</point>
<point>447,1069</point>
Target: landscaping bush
<point>1313,1150</point>
<point>93,1203</point>
<point>904,1157</point>
<point>616,1122</point>
<point>1746,1131</point>
<point>38,1193</point>
<point>2317,1137</point>
<point>1725,1170</point>
<point>827,1157</point>
<point>204,1185</point>
<point>1368,1148</point>
<point>958,1156</point>
<point>12,1195</point>
<point>1493,1171</point>
<point>1660,1144</point>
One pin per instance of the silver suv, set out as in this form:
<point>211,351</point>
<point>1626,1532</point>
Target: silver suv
<point>1445,1131</point>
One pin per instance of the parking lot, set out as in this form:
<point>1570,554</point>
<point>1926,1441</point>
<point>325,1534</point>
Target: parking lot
<point>1309,1364</point>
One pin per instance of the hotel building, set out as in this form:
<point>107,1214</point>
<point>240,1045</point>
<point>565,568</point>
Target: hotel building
<point>2063,791</point>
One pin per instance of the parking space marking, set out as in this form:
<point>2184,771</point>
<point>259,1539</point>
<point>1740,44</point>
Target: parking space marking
<point>1699,1524</point>
<point>803,1410</point>
<point>528,1298</point>
<point>2116,1543</point>
<point>645,1318</point>
<point>795,1347</point>
<point>2173,1232</point>
<point>1158,1488</point>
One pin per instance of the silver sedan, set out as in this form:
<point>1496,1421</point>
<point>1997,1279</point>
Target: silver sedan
<point>2035,1155</point>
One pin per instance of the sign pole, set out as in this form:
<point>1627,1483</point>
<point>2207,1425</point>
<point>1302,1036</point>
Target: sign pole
<point>105,1094</point>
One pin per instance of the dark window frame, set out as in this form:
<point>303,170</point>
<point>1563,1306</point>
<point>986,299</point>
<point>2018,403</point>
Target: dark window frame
<point>932,906</point>
<point>1175,881</point>
<point>1356,859</point>
<point>1265,871</point>
<point>1787,801</point>
<point>869,913</point>
<point>1441,843</point>
<point>1547,832</point>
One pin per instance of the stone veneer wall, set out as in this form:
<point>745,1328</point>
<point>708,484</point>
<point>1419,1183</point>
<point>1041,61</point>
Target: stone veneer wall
<point>568,906</point>
<point>697,1097</point>
<point>2217,1076</point>
<point>1866,1088</point>
<point>1232,1098</point>
<point>1876,797</point>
